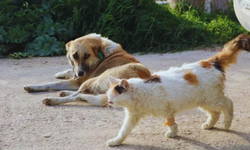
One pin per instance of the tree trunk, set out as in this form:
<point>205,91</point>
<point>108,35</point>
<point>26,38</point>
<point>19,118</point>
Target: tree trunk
<point>222,5</point>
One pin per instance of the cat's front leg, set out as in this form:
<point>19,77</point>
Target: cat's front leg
<point>172,128</point>
<point>129,123</point>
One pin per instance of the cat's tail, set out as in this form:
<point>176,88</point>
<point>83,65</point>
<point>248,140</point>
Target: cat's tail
<point>228,55</point>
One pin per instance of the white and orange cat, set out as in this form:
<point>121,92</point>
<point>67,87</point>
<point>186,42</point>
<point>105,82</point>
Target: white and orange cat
<point>166,93</point>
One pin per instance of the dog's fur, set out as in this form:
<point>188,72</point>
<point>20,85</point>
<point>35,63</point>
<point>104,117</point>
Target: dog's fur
<point>90,56</point>
<point>93,90</point>
<point>165,93</point>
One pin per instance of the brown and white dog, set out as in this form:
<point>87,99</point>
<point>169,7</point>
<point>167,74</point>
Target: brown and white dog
<point>91,56</point>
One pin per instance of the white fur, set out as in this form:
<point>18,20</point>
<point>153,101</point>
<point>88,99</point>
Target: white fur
<point>171,96</point>
<point>110,46</point>
<point>94,35</point>
<point>67,74</point>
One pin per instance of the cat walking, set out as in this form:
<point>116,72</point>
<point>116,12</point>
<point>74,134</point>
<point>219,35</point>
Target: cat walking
<point>166,93</point>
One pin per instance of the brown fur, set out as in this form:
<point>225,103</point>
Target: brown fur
<point>230,51</point>
<point>191,78</point>
<point>170,121</point>
<point>206,64</point>
<point>93,66</point>
<point>93,90</point>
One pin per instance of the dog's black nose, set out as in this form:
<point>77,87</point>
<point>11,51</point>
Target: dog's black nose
<point>80,73</point>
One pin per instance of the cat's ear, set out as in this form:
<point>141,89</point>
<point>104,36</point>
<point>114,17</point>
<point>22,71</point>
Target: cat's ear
<point>124,84</point>
<point>113,80</point>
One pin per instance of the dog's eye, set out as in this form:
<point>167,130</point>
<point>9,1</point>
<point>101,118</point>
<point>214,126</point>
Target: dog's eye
<point>86,56</point>
<point>75,56</point>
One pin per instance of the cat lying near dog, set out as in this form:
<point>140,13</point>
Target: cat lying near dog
<point>166,93</point>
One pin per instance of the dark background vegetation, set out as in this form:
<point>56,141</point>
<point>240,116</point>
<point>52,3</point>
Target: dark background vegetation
<point>41,28</point>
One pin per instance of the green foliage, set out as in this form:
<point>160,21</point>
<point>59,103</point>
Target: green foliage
<point>42,29</point>
<point>45,45</point>
<point>18,55</point>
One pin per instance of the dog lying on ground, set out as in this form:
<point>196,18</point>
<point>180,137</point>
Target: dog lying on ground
<point>90,56</point>
<point>166,93</point>
<point>94,90</point>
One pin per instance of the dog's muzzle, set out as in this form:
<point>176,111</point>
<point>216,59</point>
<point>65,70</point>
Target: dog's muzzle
<point>80,73</point>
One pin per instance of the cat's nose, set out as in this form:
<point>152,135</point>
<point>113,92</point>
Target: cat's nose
<point>110,102</point>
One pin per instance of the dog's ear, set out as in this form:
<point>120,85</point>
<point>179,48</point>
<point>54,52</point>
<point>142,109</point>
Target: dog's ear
<point>113,80</point>
<point>98,50</point>
<point>67,46</point>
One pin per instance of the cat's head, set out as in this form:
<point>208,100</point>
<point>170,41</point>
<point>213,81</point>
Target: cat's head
<point>117,92</point>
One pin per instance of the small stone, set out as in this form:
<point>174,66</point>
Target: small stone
<point>48,135</point>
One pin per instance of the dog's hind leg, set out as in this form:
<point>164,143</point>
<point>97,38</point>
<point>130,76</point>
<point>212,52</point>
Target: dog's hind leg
<point>61,100</point>
<point>67,74</point>
<point>65,93</point>
<point>96,100</point>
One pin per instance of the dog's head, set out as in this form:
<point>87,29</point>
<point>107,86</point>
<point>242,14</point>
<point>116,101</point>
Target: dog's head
<point>86,52</point>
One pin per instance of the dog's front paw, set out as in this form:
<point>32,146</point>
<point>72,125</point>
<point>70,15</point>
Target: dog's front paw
<point>227,125</point>
<point>28,88</point>
<point>48,102</point>
<point>67,74</point>
<point>206,126</point>
<point>113,142</point>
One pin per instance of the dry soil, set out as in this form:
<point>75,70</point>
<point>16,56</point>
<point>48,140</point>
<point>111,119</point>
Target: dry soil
<point>25,123</point>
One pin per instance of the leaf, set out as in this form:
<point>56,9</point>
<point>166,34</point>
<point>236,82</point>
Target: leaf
<point>18,34</point>
<point>45,45</point>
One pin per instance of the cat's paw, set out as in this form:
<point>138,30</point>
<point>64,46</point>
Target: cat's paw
<point>170,134</point>
<point>206,126</point>
<point>113,142</point>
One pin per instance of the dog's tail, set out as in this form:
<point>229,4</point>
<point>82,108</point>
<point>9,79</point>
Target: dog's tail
<point>228,55</point>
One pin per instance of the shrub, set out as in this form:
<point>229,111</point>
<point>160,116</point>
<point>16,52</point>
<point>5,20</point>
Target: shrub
<point>138,25</point>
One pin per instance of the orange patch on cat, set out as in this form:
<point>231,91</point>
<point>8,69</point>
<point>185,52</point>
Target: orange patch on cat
<point>113,87</point>
<point>153,78</point>
<point>170,121</point>
<point>191,78</point>
<point>205,64</point>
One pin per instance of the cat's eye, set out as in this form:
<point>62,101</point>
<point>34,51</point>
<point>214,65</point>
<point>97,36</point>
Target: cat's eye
<point>119,89</point>
<point>86,56</point>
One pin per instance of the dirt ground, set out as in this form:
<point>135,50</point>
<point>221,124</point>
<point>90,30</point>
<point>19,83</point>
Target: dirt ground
<point>25,123</point>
